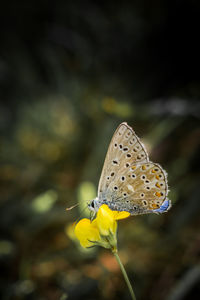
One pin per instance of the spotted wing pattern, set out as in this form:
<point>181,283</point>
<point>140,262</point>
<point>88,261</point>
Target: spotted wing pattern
<point>125,149</point>
<point>140,189</point>
<point>129,181</point>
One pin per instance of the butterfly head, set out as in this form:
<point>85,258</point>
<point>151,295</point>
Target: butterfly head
<point>93,205</point>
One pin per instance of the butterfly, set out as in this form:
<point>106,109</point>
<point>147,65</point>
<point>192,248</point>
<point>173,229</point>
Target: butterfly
<point>129,180</point>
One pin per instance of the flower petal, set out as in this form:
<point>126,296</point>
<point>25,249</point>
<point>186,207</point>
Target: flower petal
<point>106,221</point>
<point>86,232</point>
<point>118,215</point>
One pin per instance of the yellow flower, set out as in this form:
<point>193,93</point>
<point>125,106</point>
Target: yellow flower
<point>102,230</point>
<point>106,219</point>
<point>87,232</point>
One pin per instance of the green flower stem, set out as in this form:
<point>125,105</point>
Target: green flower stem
<point>125,275</point>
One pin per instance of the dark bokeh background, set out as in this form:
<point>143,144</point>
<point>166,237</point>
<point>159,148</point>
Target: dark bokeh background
<point>70,72</point>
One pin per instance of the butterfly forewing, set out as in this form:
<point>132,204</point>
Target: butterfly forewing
<point>125,149</point>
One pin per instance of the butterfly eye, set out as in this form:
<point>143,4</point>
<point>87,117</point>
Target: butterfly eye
<point>112,174</point>
<point>115,188</point>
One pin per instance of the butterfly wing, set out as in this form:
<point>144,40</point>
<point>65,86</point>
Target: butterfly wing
<point>140,189</point>
<point>125,149</point>
<point>129,181</point>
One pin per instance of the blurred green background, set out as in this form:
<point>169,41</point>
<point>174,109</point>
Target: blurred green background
<point>70,72</point>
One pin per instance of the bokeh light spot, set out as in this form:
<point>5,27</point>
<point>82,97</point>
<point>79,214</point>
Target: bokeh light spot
<point>86,192</point>
<point>45,201</point>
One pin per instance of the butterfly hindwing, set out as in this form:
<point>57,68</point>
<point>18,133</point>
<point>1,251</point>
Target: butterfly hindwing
<point>140,189</point>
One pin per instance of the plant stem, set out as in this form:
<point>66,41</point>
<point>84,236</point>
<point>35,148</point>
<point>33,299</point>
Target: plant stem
<point>125,275</point>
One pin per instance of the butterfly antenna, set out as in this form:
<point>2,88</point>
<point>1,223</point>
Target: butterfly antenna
<point>81,213</point>
<point>92,215</point>
<point>71,207</point>
<point>83,210</point>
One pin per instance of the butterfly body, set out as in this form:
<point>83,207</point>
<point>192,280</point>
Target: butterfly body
<point>129,181</point>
